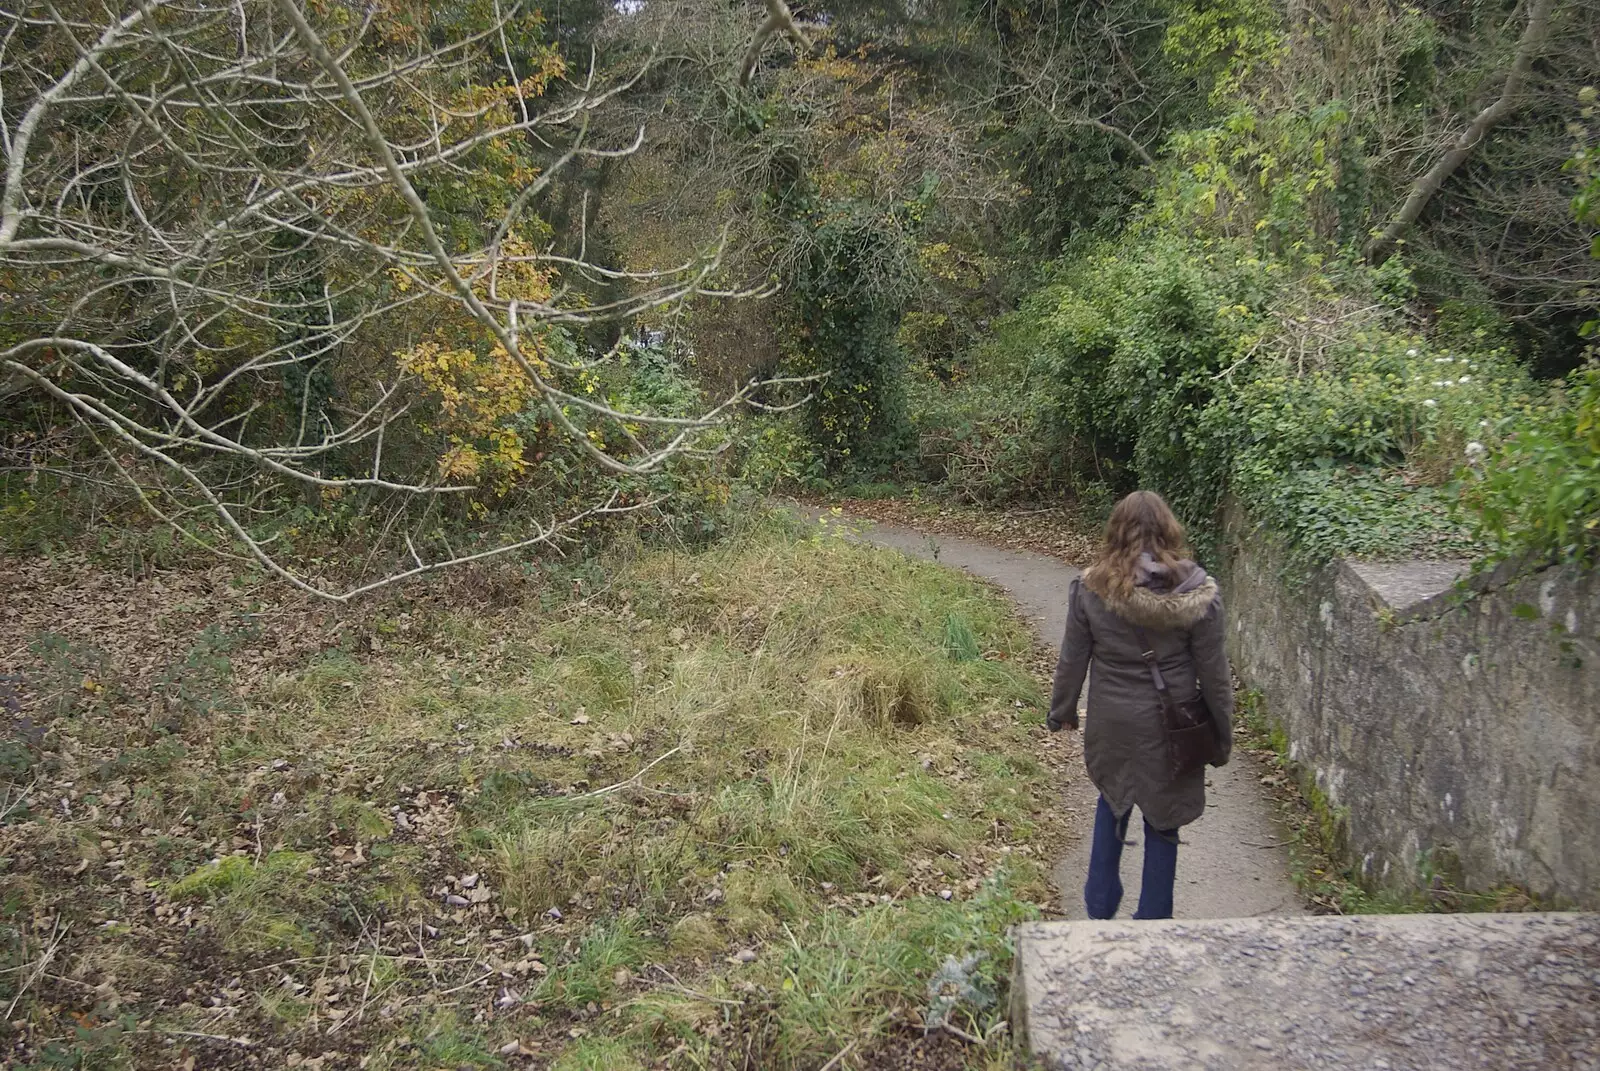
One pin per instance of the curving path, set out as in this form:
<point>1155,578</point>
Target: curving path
<point>1233,863</point>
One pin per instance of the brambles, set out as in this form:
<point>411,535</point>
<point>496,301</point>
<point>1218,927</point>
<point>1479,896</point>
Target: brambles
<point>199,685</point>
<point>72,676</point>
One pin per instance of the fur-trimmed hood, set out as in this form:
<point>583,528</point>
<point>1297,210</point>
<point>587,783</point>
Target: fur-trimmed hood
<point>1125,747</point>
<point>1179,608</point>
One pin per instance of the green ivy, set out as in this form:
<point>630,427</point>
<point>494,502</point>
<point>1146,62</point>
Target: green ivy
<point>1220,43</point>
<point>851,293</point>
<point>1172,364</point>
<point>1324,512</point>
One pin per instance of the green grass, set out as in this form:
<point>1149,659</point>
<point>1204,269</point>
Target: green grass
<point>959,639</point>
<point>718,802</point>
<point>599,1054</point>
<point>258,906</point>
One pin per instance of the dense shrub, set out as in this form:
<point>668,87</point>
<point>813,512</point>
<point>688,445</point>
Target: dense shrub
<point>1537,490</point>
<point>1534,487</point>
<point>977,442</point>
<point>1230,344</point>
<point>851,293</point>
<point>1210,369</point>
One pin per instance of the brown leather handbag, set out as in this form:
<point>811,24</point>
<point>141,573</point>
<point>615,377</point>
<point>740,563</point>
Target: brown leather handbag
<point>1191,730</point>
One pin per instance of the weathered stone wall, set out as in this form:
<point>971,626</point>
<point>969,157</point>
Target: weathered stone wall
<point>1457,726</point>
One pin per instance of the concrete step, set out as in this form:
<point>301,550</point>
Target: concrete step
<point>1375,992</point>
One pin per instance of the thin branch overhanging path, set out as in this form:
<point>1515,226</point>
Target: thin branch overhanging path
<point>779,20</point>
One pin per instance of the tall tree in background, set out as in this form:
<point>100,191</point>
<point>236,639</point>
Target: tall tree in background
<point>1530,47</point>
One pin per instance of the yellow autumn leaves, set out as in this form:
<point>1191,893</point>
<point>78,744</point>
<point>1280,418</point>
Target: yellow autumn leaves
<point>481,389</point>
<point>478,395</point>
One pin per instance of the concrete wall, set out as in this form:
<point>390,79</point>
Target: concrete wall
<point>1447,723</point>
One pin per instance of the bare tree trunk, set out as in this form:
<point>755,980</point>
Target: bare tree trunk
<point>1533,40</point>
<point>1122,135</point>
<point>778,18</point>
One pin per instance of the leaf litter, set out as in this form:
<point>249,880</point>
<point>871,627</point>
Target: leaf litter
<point>316,874</point>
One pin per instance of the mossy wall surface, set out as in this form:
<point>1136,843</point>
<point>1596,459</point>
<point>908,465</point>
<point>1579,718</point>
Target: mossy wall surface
<point>1454,727</point>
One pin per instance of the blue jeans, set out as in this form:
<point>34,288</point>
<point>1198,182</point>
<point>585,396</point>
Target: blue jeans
<point>1102,892</point>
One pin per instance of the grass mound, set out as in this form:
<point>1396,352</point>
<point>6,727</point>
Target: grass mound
<point>731,809</point>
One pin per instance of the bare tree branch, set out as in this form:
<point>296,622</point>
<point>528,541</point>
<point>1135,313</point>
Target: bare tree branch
<point>231,239</point>
<point>1534,36</point>
<point>779,20</point>
<point>1107,128</point>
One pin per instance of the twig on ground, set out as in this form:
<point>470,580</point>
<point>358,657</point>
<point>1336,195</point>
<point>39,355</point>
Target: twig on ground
<point>467,984</point>
<point>58,934</point>
<point>243,1043</point>
<point>971,1039</point>
<point>664,756</point>
<point>865,1033</point>
<point>679,986</point>
<point>840,1055</point>
<point>955,1031</point>
<point>426,962</point>
<point>396,957</point>
<point>11,805</point>
<point>366,990</point>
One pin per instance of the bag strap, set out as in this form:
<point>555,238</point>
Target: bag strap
<point>1147,651</point>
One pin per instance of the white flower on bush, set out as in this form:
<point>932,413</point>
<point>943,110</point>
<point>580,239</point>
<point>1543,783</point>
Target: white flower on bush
<point>1429,402</point>
<point>1464,379</point>
<point>1476,452</point>
<point>1411,353</point>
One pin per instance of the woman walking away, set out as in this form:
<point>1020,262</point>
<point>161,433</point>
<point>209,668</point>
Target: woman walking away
<point>1142,596</point>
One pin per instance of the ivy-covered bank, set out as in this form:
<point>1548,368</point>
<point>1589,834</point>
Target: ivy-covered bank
<point>1314,394</point>
<point>1255,327</point>
<point>1237,342</point>
<point>1311,393</point>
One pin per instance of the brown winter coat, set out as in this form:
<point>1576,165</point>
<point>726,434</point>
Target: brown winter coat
<point>1124,743</point>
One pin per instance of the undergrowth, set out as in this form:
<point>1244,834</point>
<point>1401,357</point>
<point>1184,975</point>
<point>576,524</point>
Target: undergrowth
<point>736,808</point>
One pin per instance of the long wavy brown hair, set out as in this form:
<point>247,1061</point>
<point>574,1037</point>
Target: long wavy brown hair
<point>1142,523</point>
